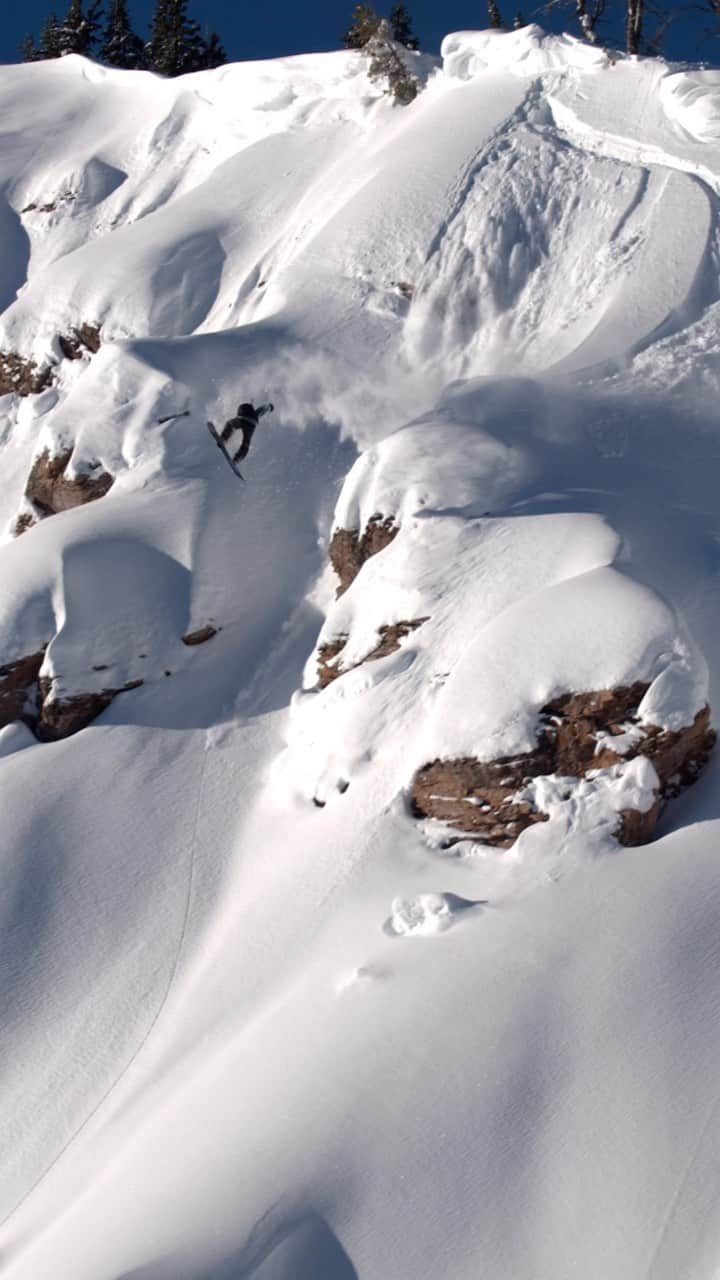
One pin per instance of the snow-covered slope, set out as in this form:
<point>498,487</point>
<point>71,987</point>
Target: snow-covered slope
<point>259,1020</point>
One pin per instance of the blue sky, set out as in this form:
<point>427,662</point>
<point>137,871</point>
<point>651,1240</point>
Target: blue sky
<point>265,31</point>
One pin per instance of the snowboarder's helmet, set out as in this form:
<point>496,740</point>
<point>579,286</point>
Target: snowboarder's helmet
<point>247,411</point>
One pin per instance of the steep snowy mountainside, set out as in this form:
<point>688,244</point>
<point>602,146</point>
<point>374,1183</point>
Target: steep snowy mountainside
<point>273,1009</point>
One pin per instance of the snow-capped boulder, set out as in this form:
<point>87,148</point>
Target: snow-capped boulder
<point>581,735</point>
<point>26,697</point>
<point>53,486</point>
<point>62,717</point>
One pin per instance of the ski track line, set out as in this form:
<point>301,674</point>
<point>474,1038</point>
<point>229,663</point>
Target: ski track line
<point>153,1022</point>
<point>653,1271</point>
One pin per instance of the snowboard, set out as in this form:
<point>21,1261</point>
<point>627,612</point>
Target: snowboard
<point>234,467</point>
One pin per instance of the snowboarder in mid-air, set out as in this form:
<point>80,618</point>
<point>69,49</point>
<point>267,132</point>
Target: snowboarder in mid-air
<point>243,424</point>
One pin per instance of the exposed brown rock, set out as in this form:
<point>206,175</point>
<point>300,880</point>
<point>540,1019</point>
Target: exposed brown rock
<point>637,828</point>
<point>51,205</point>
<point>22,377</point>
<point>199,636</point>
<point>327,668</point>
<point>349,549</point>
<point>51,490</point>
<point>62,717</point>
<point>23,523</point>
<point>390,637</point>
<point>18,684</point>
<point>679,758</point>
<point>482,798</point>
<point>86,337</point>
<point>26,696</point>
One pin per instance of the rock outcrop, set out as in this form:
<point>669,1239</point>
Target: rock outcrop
<point>25,521</point>
<point>200,636</point>
<point>580,732</point>
<point>62,717</point>
<point>26,696</point>
<point>21,377</point>
<point>84,338</point>
<point>51,490</point>
<point>19,689</point>
<point>328,668</point>
<point>349,548</point>
<point>49,206</point>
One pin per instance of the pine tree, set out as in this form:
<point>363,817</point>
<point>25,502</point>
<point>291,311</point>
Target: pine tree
<point>28,51</point>
<point>77,32</point>
<point>176,43</point>
<point>401,25</point>
<point>121,47</point>
<point>494,15</point>
<point>519,21</point>
<point>215,55</point>
<point>93,23</point>
<point>49,46</point>
<point>364,25</point>
<point>194,47</point>
<point>386,64</point>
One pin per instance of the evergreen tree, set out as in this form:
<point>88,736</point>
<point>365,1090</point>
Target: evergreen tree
<point>215,55</point>
<point>496,21</point>
<point>93,23</point>
<point>519,21</point>
<point>49,46</point>
<point>386,64</point>
<point>401,25</point>
<point>364,25</point>
<point>28,51</point>
<point>176,43</point>
<point>121,47</point>
<point>195,47</point>
<point>78,31</point>
<point>162,50</point>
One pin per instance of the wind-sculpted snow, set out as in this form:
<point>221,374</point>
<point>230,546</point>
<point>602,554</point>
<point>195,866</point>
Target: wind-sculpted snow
<point>261,1017</point>
<point>692,100</point>
<point>527,52</point>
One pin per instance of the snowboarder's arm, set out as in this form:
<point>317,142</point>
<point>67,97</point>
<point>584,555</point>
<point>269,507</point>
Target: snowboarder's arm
<point>264,408</point>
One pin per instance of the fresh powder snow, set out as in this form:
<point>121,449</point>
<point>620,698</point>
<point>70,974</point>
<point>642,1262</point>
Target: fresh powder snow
<point>261,1019</point>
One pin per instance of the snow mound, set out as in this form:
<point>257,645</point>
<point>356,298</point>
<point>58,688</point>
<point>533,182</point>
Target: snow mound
<point>691,100</point>
<point>530,51</point>
<point>425,916</point>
